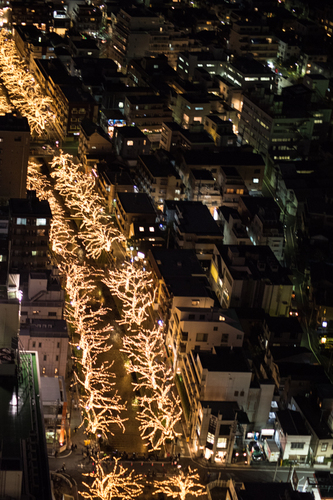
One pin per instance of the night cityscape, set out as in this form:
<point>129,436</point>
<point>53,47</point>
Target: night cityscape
<point>166,249</point>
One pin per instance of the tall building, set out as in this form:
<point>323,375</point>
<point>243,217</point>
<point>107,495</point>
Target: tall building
<point>14,154</point>
<point>29,224</point>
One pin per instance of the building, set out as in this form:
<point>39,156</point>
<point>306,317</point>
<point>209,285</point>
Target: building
<point>202,186</point>
<point>190,109</point>
<point>87,18</point>
<point>14,149</point>
<point>286,126</point>
<point>187,324</point>
<point>129,143</point>
<point>147,112</point>
<point>42,297</point>
<point>29,225</point>
<point>220,130</point>
<point>188,62</point>
<point>112,179</point>
<point>250,276</point>
<point>31,43</point>
<point>133,207</point>
<point>261,215</point>
<point>292,436</point>
<point>180,281</point>
<point>232,186</point>
<point>252,35</point>
<point>93,141</point>
<point>174,136</point>
<point>234,231</point>
<point>49,338</point>
<point>24,462</point>
<point>195,228</point>
<point>247,72</point>
<point>131,36</point>
<point>31,12</point>
<point>157,177</point>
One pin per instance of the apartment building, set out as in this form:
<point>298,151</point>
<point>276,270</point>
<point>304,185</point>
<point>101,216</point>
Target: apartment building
<point>147,112</point>
<point>179,279</point>
<point>246,72</point>
<point>29,226</point>
<point>284,126</point>
<point>158,178</point>
<point>250,276</point>
<point>133,207</point>
<point>292,436</point>
<point>43,297</point>
<point>253,36</point>
<point>14,150</point>
<point>232,186</point>
<point>190,109</point>
<point>188,62</point>
<point>129,143</point>
<point>49,337</point>
<point>93,141</point>
<point>196,328</point>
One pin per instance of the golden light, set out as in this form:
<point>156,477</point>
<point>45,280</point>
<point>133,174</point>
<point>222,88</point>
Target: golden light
<point>181,486</point>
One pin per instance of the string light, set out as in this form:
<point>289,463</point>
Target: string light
<point>182,485</point>
<point>119,483</point>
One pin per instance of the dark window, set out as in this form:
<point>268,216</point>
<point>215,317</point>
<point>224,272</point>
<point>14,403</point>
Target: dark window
<point>18,139</point>
<point>44,357</point>
<point>236,393</point>
<point>191,316</point>
<point>58,345</point>
<point>34,345</point>
<point>40,344</point>
<point>202,317</point>
<point>215,329</point>
<point>57,358</point>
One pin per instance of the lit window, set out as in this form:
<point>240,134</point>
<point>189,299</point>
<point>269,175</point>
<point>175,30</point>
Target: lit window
<point>255,180</point>
<point>221,318</point>
<point>40,222</point>
<point>21,222</point>
<point>130,143</point>
<point>151,229</point>
<point>34,253</point>
<point>44,370</point>
<point>141,228</point>
<point>221,443</point>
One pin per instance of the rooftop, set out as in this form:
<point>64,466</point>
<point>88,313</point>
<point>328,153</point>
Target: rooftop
<point>292,423</point>
<point>194,217</point>
<point>224,359</point>
<point>136,203</point>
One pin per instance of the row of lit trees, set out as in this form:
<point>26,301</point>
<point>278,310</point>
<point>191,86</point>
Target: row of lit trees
<point>24,93</point>
<point>101,405</point>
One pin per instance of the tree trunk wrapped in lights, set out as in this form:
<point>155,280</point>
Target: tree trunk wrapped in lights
<point>120,483</point>
<point>181,486</point>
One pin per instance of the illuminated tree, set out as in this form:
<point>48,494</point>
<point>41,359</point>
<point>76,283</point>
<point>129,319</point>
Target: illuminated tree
<point>134,287</point>
<point>181,486</point>
<point>120,483</point>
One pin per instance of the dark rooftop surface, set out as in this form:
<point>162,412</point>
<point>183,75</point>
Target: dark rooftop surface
<point>132,132</point>
<point>250,66</point>
<point>30,206</point>
<point>136,203</point>
<point>226,158</point>
<point>281,324</point>
<point>194,217</point>
<point>226,359</point>
<point>227,409</point>
<point>45,328</point>
<point>10,121</point>
<point>292,423</point>
<point>314,416</point>
<point>158,168</point>
<point>273,491</point>
<point>173,263</point>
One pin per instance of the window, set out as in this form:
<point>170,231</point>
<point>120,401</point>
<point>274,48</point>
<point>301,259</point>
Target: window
<point>40,344</point>
<point>52,314</point>
<point>215,329</point>
<point>221,442</point>
<point>236,394</point>
<point>1,139</point>
<point>44,357</point>
<point>239,337</point>
<point>255,180</point>
<point>141,229</point>
<point>129,143</point>
<point>40,222</point>
<point>202,317</point>
<point>224,338</point>
<point>57,358</point>
<point>202,337</point>
<point>195,302</point>
<point>33,253</point>
<point>58,345</point>
<point>151,229</point>
<point>191,317</point>
<point>297,446</point>
<point>221,318</point>
<point>121,104</point>
<point>324,446</point>
<point>17,139</point>
<point>34,345</point>
<point>21,222</point>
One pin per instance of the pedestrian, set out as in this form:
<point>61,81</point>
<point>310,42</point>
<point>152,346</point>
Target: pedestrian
<point>63,468</point>
<point>178,456</point>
